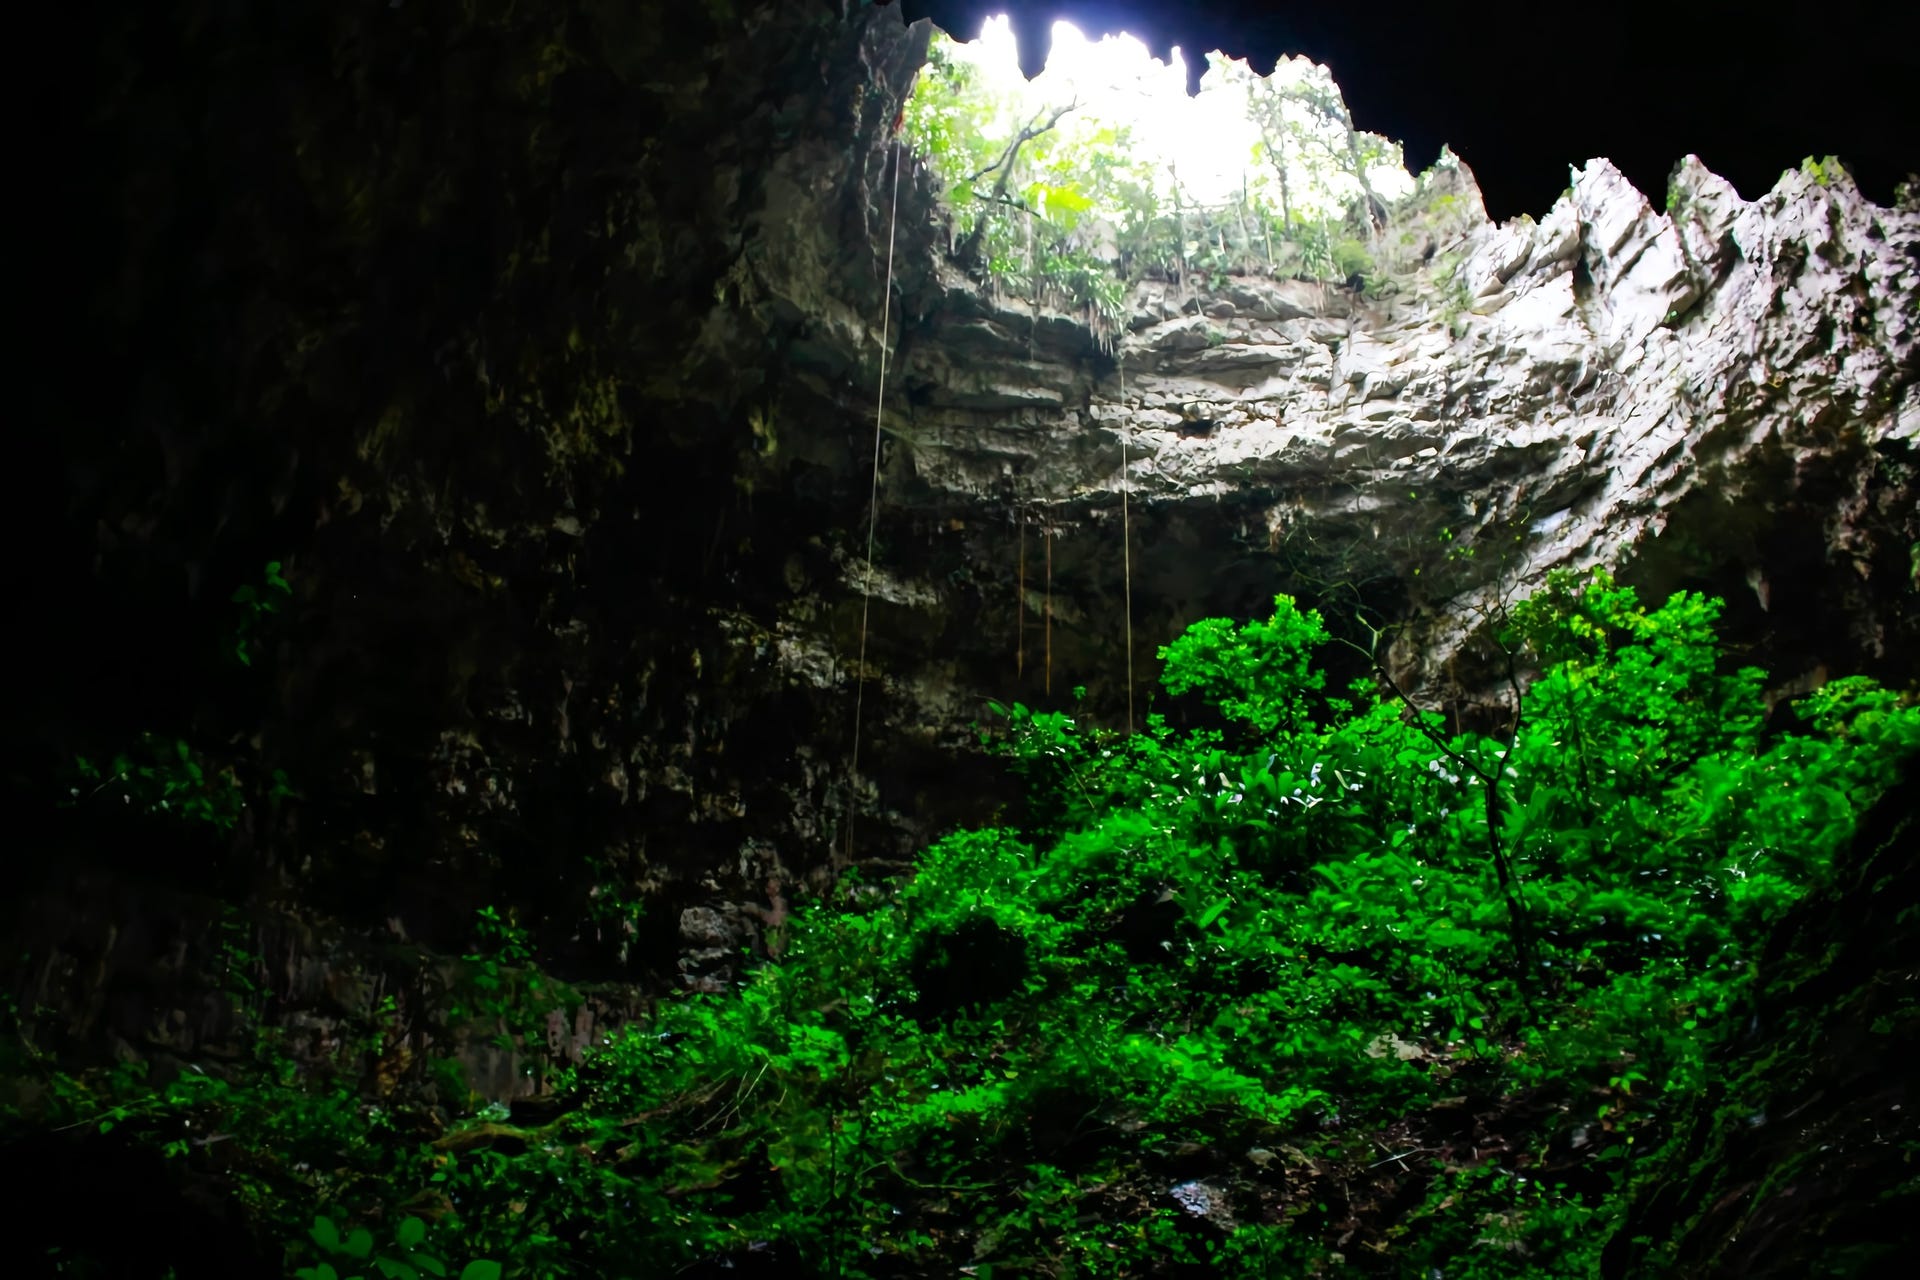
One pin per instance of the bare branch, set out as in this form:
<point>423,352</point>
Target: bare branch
<point>1021,139</point>
<point>1004,164</point>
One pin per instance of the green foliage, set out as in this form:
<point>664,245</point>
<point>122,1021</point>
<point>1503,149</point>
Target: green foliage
<point>1823,171</point>
<point>1350,258</point>
<point>1210,993</point>
<point>1259,674</point>
<point>257,604</point>
<point>1058,208</point>
<point>505,991</point>
<point>168,779</point>
<point>405,1255</point>
<point>1315,242</point>
<point>1024,205</point>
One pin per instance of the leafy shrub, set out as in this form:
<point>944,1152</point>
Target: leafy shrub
<point>1241,999</point>
<point>1350,258</point>
<point>166,779</point>
<point>405,1257</point>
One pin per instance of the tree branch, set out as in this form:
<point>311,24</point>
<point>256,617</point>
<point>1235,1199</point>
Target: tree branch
<point>1021,139</point>
<point>1522,931</point>
<point>1004,164</point>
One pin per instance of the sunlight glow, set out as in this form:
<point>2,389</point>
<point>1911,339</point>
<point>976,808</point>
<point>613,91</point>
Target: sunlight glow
<point>1205,143</point>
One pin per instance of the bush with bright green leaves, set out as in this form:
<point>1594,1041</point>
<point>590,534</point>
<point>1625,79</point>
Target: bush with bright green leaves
<point>1317,985</point>
<point>1026,208</point>
<point>406,1256</point>
<point>1284,935</point>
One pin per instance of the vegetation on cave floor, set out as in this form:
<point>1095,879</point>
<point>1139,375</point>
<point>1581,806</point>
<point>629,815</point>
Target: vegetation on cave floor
<point>1263,997</point>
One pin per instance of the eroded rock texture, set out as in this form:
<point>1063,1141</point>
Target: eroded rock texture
<point>542,344</point>
<point>1717,396</point>
<point>1798,1160</point>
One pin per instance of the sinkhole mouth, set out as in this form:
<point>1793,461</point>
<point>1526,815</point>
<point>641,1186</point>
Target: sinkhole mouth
<point>1102,171</point>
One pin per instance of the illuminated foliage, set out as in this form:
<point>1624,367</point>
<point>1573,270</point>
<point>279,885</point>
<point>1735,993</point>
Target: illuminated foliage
<point>1240,998</point>
<point>1054,202</point>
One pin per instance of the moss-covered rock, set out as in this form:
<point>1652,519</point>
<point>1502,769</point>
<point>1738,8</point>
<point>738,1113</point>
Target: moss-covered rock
<point>1803,1157</point>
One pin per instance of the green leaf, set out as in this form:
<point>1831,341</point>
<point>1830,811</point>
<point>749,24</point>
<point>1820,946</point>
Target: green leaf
<point>324,1233</point>
<point>481,1269</point>
<point>430,1264</point>
<point>324,1271</point>
<point>360,1243</point>
<point>412,1231</point>
<point>394,1269</point>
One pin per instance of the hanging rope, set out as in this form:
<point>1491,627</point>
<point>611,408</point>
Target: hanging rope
<point>873,505</point>
<point>1020,602</point>
<point>1126,534</point>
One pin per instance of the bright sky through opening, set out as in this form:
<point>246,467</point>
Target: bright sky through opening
<point>1207,140</point>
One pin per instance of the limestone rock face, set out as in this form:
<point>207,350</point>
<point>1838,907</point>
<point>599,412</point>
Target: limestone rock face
<point>1683,393</point>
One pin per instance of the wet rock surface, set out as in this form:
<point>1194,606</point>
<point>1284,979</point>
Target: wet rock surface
<point>1683,393</point>
<point>1798,1160</point>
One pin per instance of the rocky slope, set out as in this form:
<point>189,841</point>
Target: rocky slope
<point>1720,395</point>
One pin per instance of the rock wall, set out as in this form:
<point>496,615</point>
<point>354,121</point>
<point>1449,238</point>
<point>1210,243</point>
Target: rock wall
<point>1798,1159</point>
<point>412,300</point>
<point>1721,396</point>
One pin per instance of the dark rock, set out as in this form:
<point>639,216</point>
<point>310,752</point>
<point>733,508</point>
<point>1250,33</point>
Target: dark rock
<point>1798,1161</point>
